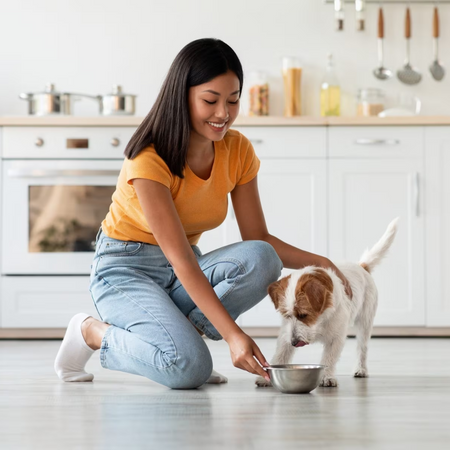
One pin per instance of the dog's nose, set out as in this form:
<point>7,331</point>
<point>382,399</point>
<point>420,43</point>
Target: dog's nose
<point>294,342</point>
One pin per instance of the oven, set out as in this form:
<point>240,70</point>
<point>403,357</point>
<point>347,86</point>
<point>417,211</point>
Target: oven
<point>52,211</point>
<point>57,184</point>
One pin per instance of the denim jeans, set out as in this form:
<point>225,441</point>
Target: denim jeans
<point>136,291</point>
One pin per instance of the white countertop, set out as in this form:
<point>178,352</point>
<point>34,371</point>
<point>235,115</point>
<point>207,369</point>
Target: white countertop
<point>134,121</point>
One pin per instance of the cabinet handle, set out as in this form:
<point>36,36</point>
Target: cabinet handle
<point>366,141</point>
<point>115,142</point>
<point>39,142</point>
<point>256,141</point>
<point>416,194</point>
<point>43,173</point>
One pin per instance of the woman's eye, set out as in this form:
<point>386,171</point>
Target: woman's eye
<point>234,103</point>
<point>209,103</point>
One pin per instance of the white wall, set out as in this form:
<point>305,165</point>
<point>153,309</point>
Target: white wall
<point>88,45</point>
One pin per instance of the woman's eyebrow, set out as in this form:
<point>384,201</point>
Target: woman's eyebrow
<point>216,93</point>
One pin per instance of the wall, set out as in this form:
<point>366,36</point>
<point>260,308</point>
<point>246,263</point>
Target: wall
<point>88,45</point>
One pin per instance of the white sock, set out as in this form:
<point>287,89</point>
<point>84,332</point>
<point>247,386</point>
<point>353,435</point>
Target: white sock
<point>216,378</point>
<point>74,353</point>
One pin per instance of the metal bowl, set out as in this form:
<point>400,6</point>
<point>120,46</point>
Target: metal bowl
<point>295,378</point>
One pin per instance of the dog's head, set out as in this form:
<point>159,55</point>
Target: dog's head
<point>303,298</point>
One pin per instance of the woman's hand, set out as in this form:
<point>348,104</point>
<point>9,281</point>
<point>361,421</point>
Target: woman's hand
<point>243,351</point>
<point>348,289</point>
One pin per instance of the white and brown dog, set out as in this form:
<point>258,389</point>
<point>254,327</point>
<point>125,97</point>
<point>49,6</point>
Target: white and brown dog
<point>315,308</point>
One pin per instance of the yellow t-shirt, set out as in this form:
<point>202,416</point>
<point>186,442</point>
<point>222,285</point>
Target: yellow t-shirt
<point>201,204</point>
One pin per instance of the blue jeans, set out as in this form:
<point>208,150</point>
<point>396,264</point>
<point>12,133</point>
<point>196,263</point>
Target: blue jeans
<point>135,290</point>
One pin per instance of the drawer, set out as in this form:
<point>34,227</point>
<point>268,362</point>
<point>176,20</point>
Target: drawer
<point>65,142</point>
<point>44,302</point>
<point>376,142</point>
<point>287,142</point>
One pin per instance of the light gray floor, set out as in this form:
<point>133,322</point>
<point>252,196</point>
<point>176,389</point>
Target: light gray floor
<point>404,404</point>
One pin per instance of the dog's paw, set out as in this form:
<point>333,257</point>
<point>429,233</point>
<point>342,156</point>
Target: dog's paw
<point>329,382</point>
<point>216,378</point>
<point>262,382</point>
<point>361,372</point>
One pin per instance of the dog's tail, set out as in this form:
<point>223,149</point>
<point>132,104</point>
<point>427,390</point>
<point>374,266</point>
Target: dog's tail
<point>372,257</point>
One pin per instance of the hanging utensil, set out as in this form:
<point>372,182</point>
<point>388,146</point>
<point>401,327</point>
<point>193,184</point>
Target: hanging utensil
<point>436,68</point>
<point>408,74</point>
<point>360,6</point>
<point>339,14</point>
<point>381,72</point>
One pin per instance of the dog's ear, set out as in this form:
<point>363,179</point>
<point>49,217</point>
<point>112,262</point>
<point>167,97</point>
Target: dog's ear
<point>277,289</point>
<point>318,289</point>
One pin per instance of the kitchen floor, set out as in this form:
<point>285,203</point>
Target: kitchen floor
<point>405,404</point>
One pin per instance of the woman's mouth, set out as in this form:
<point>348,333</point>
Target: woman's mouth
<point>218,127</point>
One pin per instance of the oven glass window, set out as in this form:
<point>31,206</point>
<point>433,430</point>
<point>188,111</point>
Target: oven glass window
<point>66,218</point>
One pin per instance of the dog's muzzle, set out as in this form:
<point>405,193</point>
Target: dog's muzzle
<point>297,343</point>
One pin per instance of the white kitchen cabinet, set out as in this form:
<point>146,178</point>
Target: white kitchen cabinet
<point>364,196</point>
<point>437,164</point>
<point>293,196</point>
<point>44,302</point>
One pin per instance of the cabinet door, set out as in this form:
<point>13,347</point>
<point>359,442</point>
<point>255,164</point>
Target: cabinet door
<point>364,196</point>
<point>293,196</point>
<point>437,163</point>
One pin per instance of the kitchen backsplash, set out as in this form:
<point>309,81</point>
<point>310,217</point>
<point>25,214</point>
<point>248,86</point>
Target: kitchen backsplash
<point>87,46</point>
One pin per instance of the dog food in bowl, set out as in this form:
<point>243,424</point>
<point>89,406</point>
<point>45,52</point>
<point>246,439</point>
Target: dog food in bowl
<point>295,378</point>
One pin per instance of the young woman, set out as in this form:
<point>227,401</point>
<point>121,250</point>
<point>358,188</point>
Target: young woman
<point>153,289</point>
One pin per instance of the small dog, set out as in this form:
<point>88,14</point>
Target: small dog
<point>315,308</point>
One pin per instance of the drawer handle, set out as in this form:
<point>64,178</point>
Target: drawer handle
<point>367,141</point>
<point>37,173</point>
<point>256,141</point>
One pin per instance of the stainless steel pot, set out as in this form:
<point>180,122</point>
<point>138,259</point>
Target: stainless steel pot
<point>48,102</point>
<point>117,103</point>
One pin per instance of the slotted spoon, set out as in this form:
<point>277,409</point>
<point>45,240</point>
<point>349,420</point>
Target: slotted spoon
<point>408,74</point>
<point>437,69</point>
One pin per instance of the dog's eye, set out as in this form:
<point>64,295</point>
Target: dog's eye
<point>302,316</point>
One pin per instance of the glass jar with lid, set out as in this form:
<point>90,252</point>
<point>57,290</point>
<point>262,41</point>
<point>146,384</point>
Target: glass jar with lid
<point>370,102</point>
<point>258,94</point>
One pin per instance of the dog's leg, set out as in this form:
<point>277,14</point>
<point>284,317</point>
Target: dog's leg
<point>331,352</point>
<point>283,355</point>
<point>363,325</point>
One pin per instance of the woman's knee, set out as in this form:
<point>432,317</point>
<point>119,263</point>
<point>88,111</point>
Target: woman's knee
<point>191,367</point>
<point>265,260</point>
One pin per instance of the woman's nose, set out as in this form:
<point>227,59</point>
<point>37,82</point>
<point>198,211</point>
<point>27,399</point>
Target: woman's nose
<point>222,112</point>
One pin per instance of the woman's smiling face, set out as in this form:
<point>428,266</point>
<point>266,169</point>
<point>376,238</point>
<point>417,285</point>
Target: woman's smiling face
<point>214,106</point>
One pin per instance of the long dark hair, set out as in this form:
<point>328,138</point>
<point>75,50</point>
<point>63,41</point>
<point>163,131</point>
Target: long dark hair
<point>167,125</point>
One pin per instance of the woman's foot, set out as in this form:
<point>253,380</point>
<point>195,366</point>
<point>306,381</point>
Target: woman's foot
<point>82,338</point>
<point>216,378</point>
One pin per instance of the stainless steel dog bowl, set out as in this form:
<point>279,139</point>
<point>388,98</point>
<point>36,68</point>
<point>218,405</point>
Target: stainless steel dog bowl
<point>295,378</point>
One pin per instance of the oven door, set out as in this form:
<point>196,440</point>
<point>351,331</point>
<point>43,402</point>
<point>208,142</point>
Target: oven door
<point>51,213</point>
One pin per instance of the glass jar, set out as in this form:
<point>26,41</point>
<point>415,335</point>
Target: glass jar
<point>370,102</point>
<point>292,80</point>
<point>258,94</point>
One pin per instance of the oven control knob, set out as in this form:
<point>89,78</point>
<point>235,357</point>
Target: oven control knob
<point>39,142</point>
<point>115,142</point>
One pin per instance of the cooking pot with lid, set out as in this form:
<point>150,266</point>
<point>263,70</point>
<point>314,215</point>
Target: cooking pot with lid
<point>48,102</point>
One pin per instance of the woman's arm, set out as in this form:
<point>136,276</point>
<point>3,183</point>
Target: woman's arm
<point>252,225</point>
<point>162,217</point>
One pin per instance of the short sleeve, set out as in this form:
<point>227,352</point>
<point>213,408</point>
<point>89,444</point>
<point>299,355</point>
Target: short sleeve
<point>249,162</point>
<point>148,165</point>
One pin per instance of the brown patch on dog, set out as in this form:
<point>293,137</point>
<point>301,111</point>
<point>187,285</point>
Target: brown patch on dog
<point>277,289</point>
<point>313,295</point>
<point>365,267</point>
